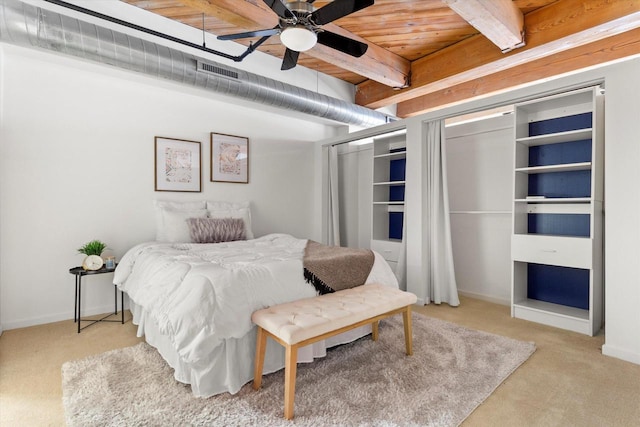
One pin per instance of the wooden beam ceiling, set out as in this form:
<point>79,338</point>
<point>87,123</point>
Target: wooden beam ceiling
<point>602,51</point>
<point>498,20</point>
<point>377,64</point>
<point>436,45</point>
<point>561,26</point>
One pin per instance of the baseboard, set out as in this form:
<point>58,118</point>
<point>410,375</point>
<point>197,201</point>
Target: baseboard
<point>59,317</point>
<point>483,297</point>
<point>620,353</point>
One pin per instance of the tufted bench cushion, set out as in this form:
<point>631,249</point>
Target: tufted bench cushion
<point>306,321</point>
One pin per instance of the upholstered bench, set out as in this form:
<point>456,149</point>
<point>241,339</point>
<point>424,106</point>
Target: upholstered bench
<point>300,323</point>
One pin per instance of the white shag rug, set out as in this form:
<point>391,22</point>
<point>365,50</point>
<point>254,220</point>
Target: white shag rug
<point>364,383</point>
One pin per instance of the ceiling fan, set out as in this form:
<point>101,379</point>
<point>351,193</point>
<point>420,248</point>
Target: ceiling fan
<point>300,28</point>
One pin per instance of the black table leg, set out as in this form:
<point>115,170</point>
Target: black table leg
<point>75,304</point>
<point>79,301</point>
<point>122,305</point>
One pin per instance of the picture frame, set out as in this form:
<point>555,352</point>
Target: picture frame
<point>178,165</point>
<point>229,158</point>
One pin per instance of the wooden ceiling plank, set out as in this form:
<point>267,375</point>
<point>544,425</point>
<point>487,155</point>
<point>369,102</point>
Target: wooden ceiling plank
<point>602,51</point>
<point>247,15</point>
<point>498,20</point>
<point>560,26</point>
<point>527,6</point>
<point>377,64</point>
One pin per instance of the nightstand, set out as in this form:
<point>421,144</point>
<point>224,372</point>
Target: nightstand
<point>79,272</point>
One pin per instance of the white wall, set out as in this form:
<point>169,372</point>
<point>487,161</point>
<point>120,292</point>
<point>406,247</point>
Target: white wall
<point>622,212</point>
<point>479,158</point>
<point>76,164</point>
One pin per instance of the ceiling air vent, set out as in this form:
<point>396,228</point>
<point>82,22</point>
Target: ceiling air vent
<point>217,70</point>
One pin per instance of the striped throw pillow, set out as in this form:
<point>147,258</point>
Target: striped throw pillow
<point>216,230</point>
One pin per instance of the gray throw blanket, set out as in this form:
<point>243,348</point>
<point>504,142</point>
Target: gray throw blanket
<point>333,268</point>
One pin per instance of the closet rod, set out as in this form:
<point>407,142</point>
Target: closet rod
<point>480,212</point>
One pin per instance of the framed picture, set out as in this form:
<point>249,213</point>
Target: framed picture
<point>229,158</point>
<point>178,165</point>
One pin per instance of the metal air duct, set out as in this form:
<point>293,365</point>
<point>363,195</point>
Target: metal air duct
<point>30,26</point>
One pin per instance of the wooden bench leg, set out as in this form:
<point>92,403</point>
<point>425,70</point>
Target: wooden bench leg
<point>290,367</point>
<point>261,345</point>
<point>374,330</point>
<point>408,337</point>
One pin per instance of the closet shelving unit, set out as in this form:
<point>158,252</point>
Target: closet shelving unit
<point>389,166</point>
<point>557,240</point>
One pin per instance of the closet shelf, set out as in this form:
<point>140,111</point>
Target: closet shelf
<point>568,167</point>
<point>556,200</point>
<point>391,156</point>
<point>556,309</point>
<point>389,171</point>
<point>389,183</point>
<point>556,241</point>
<point>556,138</point>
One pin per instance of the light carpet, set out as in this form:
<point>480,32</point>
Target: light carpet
<point>364,383</point>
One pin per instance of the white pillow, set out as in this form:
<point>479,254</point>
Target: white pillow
<point>176,227</point>
<point>180,206</point>
<point>243,213</point>
<point>162,205</point>
<point>225,206</point>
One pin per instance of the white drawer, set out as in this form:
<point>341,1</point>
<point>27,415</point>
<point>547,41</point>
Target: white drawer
<point>552,250</point>
<point>389,250</point>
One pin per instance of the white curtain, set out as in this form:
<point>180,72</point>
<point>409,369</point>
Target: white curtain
<point>333,214</point>
<point>437,256</point>
<point>401,268</point>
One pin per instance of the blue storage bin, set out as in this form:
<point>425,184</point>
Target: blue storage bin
<point>575,225</point>
<point>559,285</point>
<point>396,220</point>
<point>561,124</point>
<point>562,153</point>
<point>561,184</point>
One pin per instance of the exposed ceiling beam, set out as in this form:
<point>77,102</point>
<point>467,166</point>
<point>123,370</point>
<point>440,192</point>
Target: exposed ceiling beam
<point>561,26</point>
<point>602,51</point>
<point>248,15</point>
<point>498,20</point>
<point>377,64</point>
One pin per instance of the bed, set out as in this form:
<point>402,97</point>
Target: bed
<point>193,301</point>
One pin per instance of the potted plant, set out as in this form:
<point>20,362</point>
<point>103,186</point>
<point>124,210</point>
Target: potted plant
<point>93,251</point>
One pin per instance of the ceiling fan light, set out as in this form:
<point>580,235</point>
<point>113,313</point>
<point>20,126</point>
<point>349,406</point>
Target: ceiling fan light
<point>298,38</point>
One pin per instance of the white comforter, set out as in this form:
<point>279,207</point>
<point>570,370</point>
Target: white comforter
<point>202,294</point>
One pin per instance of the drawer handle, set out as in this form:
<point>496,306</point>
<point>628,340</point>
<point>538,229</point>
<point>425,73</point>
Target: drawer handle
<point>387,251</point>
<point>553,251</point>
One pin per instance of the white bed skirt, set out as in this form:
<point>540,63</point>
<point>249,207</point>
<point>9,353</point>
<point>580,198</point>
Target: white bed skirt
<point>231,364</point>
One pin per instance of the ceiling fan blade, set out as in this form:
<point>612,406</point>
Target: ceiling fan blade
<point>337,9</point>
<point>279,8</point>
<point>259,33</point>
<point>290,59</point>
<point>342,43</point>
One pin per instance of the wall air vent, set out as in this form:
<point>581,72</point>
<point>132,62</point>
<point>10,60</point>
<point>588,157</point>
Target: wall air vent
<point>217,70</point>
